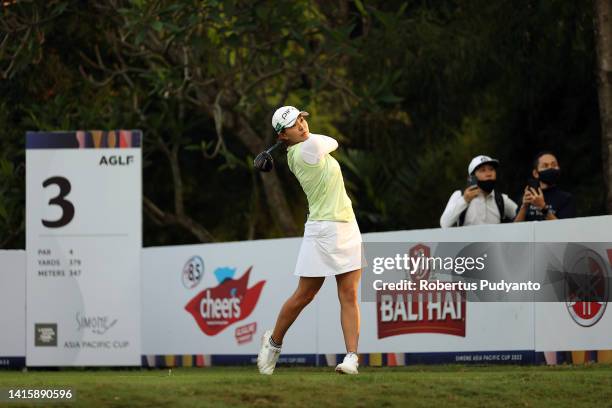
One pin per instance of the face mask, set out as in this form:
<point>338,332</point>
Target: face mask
<point>550,176</point>
<point>486,185</point>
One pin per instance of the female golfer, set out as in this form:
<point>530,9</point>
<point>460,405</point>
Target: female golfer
<point>332,241</point>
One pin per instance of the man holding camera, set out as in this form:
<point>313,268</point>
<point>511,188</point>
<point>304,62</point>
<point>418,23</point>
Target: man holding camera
<point>479,203</point>
<point>542,199</point>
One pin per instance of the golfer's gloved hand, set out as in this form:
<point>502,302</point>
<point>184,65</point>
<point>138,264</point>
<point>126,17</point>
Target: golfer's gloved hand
<point>263,162</point>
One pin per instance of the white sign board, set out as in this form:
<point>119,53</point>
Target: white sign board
<point>185,312</point>
<point>577,325</point>
<point>12,307</point>
<point>83,243</point>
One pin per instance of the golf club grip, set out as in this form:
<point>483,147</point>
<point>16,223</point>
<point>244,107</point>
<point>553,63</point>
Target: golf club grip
<point>274,146</point>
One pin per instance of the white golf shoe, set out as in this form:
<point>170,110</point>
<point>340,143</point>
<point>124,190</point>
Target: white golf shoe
<point>268,355</point>
<point>349,364</point>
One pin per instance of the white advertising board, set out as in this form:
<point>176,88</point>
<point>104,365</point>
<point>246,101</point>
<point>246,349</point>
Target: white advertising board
<point>220,298</point>
<point>12,306</point>
<point>584,257</point>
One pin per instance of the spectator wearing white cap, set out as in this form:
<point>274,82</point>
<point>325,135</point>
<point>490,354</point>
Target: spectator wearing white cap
<point>479,203</point>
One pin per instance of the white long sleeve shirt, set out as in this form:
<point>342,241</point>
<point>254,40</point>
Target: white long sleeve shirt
<point>316,146</point>
<point>481,210</point>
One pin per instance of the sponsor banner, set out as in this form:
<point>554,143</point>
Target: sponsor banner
<point>583,263</point>
<point>284,359</point>
<point>244,334</point>
<point>365,359</point>
<point>215,309</point>
<point>211,303</point>
<point>575,273</point>
<point>12,362</point>
<point>83,241</point>
<point>494,357</point>
<point>442,312</point>
<point>220,298</point>
<point>12,306</point>
<point>436,321</point>
<point>432,320</point>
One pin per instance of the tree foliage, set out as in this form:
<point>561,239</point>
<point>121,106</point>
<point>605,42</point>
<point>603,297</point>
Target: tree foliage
<point>412,90</point>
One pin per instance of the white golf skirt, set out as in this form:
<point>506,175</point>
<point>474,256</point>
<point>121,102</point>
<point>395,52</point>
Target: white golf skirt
<point>329,248</point>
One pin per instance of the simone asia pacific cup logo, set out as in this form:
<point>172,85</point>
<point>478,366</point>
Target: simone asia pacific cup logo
<point>420,311</point>
<point>215,309</point>
<point>586,287</point>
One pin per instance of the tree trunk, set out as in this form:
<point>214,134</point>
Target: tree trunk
<point>277,203</point>
<point>603,41</point>
<point>234,122</point>
<point>163,218</point>
<point>275,197</point>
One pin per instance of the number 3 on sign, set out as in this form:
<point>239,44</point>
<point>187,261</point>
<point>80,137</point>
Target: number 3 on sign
<point>60,200</point>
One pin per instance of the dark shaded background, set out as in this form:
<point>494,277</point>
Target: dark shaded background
<point>412,90</point>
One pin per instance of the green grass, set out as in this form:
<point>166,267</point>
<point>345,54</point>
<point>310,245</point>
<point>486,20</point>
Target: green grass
<point>414,386</point>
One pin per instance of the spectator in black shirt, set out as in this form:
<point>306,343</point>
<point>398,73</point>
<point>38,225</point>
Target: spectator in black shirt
<point>546,202</point>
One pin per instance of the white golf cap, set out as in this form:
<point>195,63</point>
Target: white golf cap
<point>285,117</point>
<point>479,161</point>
